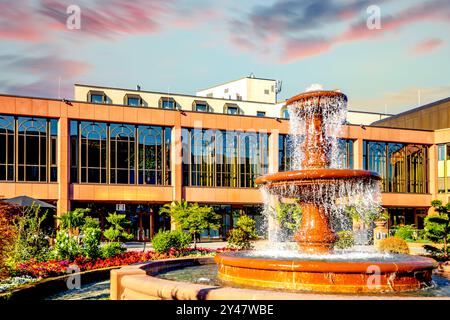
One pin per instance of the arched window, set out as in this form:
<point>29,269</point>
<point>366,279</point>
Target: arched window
<point>93,152</point>
<point>223,158</point>
<point>7,147</point>
<point>230,160</point>
<point>154,155</point>
<point>203,157</point>
<point>345,153</point>
<point>32,149</point>
<point>416,165</point>
<point>396,168</point>
<point>250,162</point>
<point>122,153</point>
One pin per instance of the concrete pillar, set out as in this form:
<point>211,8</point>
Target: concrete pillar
<point>358,154</point>
<point>177,163</point>
<point>432,171</point>
<point>273,151</point>
<point>63,166</point>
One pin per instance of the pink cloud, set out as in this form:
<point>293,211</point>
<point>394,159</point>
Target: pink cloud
<point>17,22</point>
<point>297,30</point>
<point>47,70</point>
<point>297,49</point>
<point>52,64</point>
<point>426,46</point>
<point>34,21</point>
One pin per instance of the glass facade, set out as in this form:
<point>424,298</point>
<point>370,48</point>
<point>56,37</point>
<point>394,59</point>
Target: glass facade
<point>443,177</point>
<point>110,153</point>
<point>403,167</point>
<point>29,149</point>
<point>215,158</point>
<point>285,158</point>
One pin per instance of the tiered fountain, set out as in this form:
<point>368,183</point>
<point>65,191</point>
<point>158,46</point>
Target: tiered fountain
<point>323,190</point>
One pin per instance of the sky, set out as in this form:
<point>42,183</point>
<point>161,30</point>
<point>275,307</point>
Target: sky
<point>387,62</point>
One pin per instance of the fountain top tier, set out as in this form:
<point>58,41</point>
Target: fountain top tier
<point>316,94</point>
<point>315,118</point>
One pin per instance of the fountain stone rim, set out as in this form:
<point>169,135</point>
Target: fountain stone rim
<point>317,174</point>
<point>315,94</point>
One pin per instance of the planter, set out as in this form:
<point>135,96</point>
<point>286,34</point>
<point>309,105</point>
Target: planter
<point>47,287</point>
<point>380,223</point>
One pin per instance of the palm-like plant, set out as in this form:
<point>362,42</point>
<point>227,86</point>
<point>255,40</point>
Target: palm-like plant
<point>72,221</point>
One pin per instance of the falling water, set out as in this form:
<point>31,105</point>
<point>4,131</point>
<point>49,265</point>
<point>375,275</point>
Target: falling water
<point>360,195</point>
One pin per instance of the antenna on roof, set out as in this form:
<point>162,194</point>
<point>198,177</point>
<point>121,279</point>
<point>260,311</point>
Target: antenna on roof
<point>252,75</point>
<point>278,85</point>
<point>138,88</point>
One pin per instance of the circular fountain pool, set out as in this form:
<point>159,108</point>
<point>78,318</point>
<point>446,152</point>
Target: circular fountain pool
<point>207,275</point>
<point>340,273</point>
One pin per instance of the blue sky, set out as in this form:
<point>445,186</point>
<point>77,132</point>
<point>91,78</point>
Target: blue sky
<point>182,46</point>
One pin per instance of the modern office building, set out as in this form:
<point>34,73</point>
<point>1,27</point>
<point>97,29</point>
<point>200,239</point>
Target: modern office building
<point>132,151</point>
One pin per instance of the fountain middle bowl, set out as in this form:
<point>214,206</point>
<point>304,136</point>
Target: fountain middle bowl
<point>372,273</point>
<point>315,176</point>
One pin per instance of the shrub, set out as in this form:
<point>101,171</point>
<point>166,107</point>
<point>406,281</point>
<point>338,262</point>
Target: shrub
<point>7,235</point>
<point>192,217</point>
<point>91,242</point>
<point>346,240</point>
<point>31,241</point>
<point>72,221</point>
<point>407,232</point>
<point>437,228</point>
<point>241,236</point>
<point>111,249</point>
<point>116,231</point>
<point>393,245</point>
<point>164,241</point>
<point>66,246</point>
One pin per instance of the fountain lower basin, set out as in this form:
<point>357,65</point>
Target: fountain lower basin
<point>330,273</point>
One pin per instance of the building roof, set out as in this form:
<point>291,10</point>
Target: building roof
<point>247,77</point>
<point>166,93</point>
<point>416,118</point>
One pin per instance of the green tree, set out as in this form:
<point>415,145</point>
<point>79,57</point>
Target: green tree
<point>213,221</point>
<point>245,231</point>
<point>437,228</point>
<point>116,232</point>
<point>177,210</point>
<point>91,236</point>
<point>72,221</point>
<point>191,217</point>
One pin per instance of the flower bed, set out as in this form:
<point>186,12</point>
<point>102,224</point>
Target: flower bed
<point>54,268</point>
<point>11,283</point>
